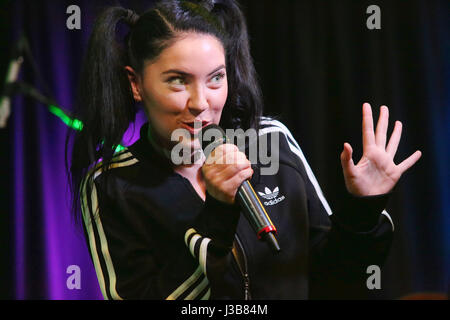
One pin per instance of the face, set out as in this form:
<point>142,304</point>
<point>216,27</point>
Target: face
<point>184,88</point>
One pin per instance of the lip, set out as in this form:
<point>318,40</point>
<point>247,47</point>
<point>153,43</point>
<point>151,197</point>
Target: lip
<point>189,125</point>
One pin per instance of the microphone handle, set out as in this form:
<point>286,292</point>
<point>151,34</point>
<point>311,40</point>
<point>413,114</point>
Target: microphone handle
<point>257,216</point>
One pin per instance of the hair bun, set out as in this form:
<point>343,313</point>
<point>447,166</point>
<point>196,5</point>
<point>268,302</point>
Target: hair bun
<point>209,4</point>
<point>131,18</point>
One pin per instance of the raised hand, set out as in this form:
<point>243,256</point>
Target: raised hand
<point>375,173</point>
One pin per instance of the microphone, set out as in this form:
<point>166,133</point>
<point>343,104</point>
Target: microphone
<point>248,200</point>
<point>11,77</point>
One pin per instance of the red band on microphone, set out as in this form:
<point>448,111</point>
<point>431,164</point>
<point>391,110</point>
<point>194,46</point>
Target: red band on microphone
<point>265,230</point>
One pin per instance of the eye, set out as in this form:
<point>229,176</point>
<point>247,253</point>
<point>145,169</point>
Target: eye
<point>172,80</point>
<point>218,76</point>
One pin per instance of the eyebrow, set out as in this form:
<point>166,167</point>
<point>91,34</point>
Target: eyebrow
<point>188,74</point>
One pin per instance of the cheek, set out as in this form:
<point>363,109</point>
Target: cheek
<point>166,103</point>
<point>162,114</point>
<point>219,103</point>
<point>164,110</point>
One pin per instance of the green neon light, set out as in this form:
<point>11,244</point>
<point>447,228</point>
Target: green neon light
<point>73,123</point>
<point>119,148</point>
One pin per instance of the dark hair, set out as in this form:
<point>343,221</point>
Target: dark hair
<point>105,103</point>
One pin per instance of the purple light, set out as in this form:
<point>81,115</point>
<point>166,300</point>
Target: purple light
<point>19,210</point>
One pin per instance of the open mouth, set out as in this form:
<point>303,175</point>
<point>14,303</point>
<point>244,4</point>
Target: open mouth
<point>195,126</point>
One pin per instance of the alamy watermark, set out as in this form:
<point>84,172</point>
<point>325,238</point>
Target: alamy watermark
<point>374,20</point>
<point>374,280</point>
<point>259,148</point>
<point>74,20</point>
<point>74,280</point>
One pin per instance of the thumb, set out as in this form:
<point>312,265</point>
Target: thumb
<point>346,157</point>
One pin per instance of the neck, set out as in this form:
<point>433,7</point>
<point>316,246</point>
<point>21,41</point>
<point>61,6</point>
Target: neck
<point>152,138</point>
<point>190,170</point>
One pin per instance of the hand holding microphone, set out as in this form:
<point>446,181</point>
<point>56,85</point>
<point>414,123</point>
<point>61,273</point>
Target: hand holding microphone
<point>226,172</point>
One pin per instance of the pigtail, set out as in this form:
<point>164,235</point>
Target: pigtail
<point>105,103</point>
<point>106,100</point>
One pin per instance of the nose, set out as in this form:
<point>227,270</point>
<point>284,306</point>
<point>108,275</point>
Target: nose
<point>198,101</point>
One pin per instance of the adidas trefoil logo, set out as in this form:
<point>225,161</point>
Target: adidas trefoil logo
<point>271,196</point>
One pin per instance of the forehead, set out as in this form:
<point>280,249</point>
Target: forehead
<point>194,53</point>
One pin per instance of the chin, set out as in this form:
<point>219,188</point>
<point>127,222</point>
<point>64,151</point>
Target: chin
<point>192,144</point>
<point>191,151</point>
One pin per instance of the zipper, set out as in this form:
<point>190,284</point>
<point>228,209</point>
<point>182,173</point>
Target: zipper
<point>241,260</point>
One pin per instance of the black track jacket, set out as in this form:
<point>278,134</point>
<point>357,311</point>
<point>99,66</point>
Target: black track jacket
<point>152,237</point>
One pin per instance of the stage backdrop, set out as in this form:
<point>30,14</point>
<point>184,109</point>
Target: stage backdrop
<point>317,62</point>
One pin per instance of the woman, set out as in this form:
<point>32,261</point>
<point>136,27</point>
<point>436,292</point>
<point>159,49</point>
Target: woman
<point>160,230</point>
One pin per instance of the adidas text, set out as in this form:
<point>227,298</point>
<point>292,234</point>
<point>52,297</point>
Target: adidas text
<point>274,201</point>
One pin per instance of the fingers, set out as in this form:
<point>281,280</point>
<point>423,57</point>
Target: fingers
<point>392,146</point>
<point>382,126</point>
<point>223,154</point>
<point>228,154</point>
<point>239,178</point>
<point>346,154</point>
<point>381,130</point>
<point>226,160</point>
<point>346,158</point>
<point>367,126</point>
<point>235,169</point>
<point>224,171</point>
<point>409,162</point>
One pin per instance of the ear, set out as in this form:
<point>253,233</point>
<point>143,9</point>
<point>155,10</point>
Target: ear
<point>134,82</point>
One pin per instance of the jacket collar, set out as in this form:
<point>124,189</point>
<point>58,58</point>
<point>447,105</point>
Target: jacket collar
<point>149,152</point>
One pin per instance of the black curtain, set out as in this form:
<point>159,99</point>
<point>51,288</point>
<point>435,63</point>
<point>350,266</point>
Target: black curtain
<point>5,173</point>
<point>318,63</point>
